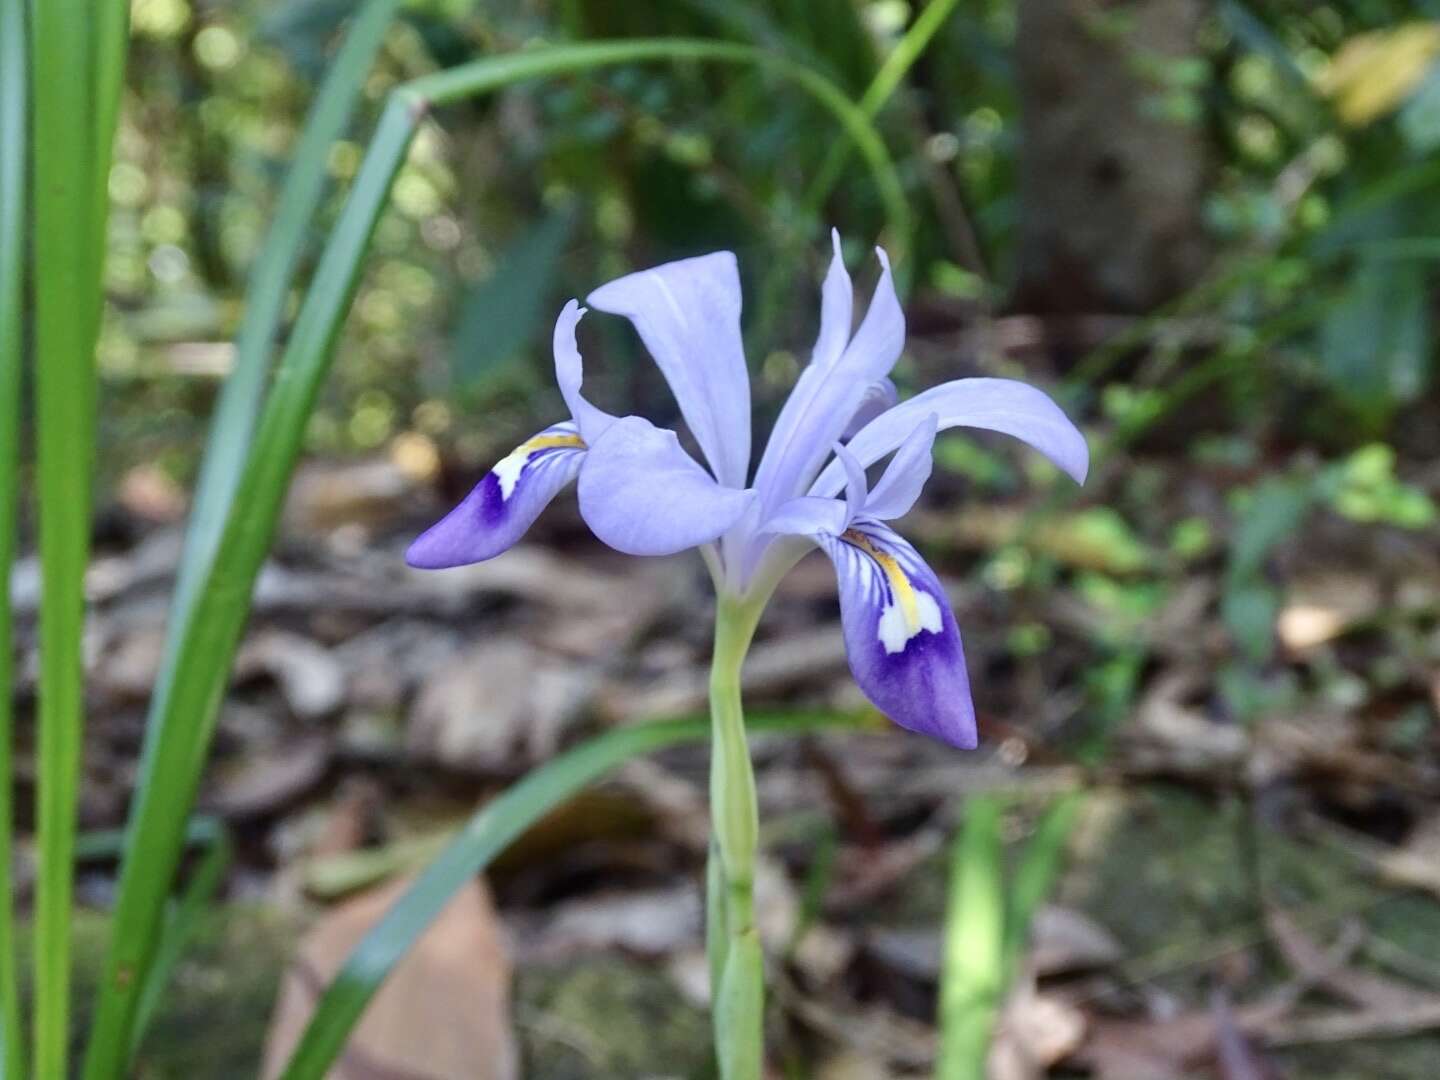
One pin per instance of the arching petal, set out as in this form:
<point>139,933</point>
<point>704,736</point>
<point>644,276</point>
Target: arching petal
<point>569,372</point>
<point>688,315</point>
<point>826,399</point>
<point>879,397</point>
<point>905,476</point>
<point>643,494</point>
<point>504,504</point>
<point>900,634</point>
<point>1003,405</point>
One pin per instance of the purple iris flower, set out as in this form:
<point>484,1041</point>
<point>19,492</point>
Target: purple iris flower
<point>643,494</point>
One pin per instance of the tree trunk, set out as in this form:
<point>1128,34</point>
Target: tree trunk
<point>1111,186</point>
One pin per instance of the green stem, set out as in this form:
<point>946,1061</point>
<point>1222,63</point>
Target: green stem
<point>736,962</point>
<point>13,163</point>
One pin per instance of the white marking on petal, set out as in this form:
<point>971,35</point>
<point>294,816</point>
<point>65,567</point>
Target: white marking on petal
<point>508,469</point>
<point>895,629</point>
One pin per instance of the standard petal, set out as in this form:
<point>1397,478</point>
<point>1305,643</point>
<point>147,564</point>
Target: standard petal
<point>643,494</point>
<point>900,634</point>
<point>905,476</point>
<point>1003,405</point>
<point>837,302</point>
<point>569,372</point>
<point>826,399</point>
<point>503,505</point>
<point>688,315</point>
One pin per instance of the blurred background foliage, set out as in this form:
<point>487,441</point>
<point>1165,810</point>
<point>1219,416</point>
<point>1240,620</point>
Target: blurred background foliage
<point>1310,130</point>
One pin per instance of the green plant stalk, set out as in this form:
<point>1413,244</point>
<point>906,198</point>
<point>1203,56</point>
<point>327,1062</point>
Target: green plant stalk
<point>14,160</point>
<point>971,979</point>
<point>183,713</point>
<point>737,976</point>
<point>69,163</point>
<point>484,837</point>
<point>266,291</point>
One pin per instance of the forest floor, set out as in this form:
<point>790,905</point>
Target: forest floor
<point>1252,884</point>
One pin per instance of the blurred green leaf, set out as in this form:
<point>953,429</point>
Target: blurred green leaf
<point>1365,488</point>
<point>1249,608</point>
<point>1420,118</point>
<point>1375,342</point>
<point>503,315</point>
<point>972,970</point>
<point>1265,515</point>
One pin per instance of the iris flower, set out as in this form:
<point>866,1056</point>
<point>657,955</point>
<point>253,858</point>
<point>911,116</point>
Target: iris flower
<point>642,493</point>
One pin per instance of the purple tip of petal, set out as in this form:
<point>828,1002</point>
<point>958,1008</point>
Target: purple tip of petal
<point>923,688</point>
<point>465,535</point>
<point>494,515</point>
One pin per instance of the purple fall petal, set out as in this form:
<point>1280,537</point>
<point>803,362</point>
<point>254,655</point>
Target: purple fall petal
<point>688,315</point>
<point>569,373</point>
<point>900,634</point>
<point>1002,405</point>
<point>504,504</point>
<point>905,476</point>
<point>642,494</point>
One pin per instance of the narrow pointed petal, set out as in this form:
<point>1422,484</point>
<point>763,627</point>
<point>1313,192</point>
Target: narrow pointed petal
<point>688,315</point>
<point>643,494</point>
<point>504,504</point>
<point>569,373</point>
<point>856,489</point>
<point>837,302</point>
<point>826,399</point>
<point>879,397</point>
<point>1003,405</point>
<point>900,634</point>
<point>905,476</point>
<point>876,346</point>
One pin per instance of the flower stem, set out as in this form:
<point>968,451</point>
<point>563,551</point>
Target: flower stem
<point>736,963</point>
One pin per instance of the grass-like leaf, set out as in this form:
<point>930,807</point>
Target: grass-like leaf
<point>14,161</point>
<point>74,44</point>
<point>486,835</point>
<point>266,291</point>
